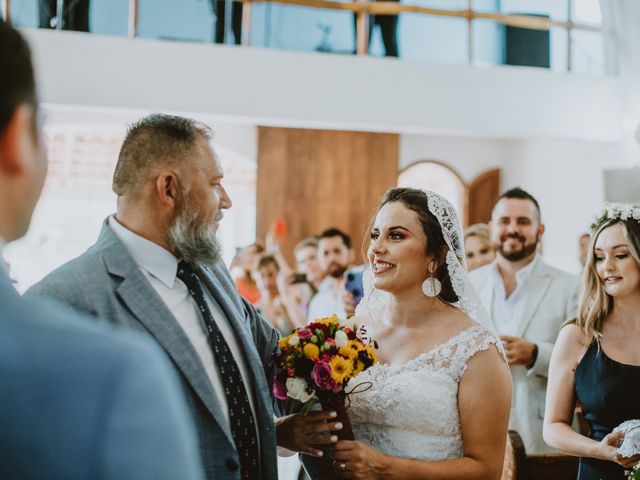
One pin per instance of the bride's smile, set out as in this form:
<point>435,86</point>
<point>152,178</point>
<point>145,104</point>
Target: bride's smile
<point>397,252</point>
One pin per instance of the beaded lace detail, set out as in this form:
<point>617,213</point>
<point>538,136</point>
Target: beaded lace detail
<point>411,411</point>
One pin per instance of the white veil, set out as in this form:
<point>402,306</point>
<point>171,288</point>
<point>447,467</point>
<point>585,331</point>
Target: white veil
<point>375,300</point>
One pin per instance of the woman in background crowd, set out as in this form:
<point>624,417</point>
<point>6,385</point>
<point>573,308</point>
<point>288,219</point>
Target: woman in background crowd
<point>596,359</point>
<point>271,303</point>
<point>477,246</point>
<point>298,288</point>
<point>244,264</point>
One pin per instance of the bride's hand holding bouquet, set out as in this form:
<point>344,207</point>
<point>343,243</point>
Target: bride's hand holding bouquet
<point>315,364</point>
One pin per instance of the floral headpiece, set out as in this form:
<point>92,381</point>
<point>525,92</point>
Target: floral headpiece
<point>616,211</point>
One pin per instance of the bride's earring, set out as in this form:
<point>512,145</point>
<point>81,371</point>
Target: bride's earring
<point>431,286</point>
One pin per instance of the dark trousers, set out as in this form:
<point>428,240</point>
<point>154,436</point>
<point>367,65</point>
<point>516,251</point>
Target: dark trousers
<point>219,7</point>
<point>75,14</point>
<point>388,28</point>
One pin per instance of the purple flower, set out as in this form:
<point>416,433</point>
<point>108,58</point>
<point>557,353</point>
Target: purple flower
<point>279,389</point>
<point>305,334</point>
<point>321,376</point>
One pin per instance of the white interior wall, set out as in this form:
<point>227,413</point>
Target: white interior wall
<point>564,175</point>
<point>309,90</point>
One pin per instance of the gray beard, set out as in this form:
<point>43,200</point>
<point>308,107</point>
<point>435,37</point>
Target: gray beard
<point>194,239</point>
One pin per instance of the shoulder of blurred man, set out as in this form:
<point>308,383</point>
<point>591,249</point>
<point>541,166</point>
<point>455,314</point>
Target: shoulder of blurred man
<point>85,400</point>
<point>480,275</point>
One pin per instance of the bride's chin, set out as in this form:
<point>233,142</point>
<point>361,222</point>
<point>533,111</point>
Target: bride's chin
<point>380,284</point>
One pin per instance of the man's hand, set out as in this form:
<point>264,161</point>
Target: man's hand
<point>518,350</point>
<point>305,433</point>
<point>348,303</point>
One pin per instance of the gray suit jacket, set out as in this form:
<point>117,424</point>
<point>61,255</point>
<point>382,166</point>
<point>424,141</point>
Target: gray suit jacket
<point>80,401</point>
<point>551,298</point>
<point>106,283</point>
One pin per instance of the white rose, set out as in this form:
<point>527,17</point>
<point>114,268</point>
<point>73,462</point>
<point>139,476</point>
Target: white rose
<point>636,214</point>
<point>341,339</point>
<point>306,396</point>
<point>296,388</point>
<point>294,340</point>
<point>625,212</point>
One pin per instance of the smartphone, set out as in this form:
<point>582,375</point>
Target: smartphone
<point>297,278</point>
<point>353,283</point>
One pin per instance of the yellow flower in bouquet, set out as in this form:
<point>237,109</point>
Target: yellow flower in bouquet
<point>332,320</point>
<point>341,368</point>
<point>283,341</point>
<point>311,351</point>
<point>351,350</point>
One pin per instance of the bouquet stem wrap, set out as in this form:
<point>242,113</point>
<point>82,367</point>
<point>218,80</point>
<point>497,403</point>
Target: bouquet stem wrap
<point>337,403</point>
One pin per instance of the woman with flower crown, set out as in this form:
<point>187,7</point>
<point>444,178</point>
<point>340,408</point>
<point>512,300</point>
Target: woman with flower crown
<point>438,401</point>
<point>596,359</point>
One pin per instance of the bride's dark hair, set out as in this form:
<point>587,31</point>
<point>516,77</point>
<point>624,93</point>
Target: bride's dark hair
<point>416,201</point>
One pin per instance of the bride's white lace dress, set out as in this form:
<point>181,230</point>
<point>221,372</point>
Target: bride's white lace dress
<point>411,410</point>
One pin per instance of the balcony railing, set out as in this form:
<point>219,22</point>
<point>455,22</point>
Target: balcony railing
<point>363,8</point>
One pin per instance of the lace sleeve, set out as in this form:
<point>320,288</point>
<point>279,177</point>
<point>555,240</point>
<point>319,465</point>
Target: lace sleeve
<point>455,357</point>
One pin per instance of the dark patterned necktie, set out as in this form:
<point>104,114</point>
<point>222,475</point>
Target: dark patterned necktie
<point>243,427</point>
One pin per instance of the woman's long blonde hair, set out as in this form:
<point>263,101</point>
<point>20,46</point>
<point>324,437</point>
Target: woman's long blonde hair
<point>595,303</point>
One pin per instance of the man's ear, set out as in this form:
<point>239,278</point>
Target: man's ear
<point>540,231</point>
<point>17,141</point>
<point>168,190</point>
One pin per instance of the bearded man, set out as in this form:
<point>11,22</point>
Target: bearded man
<point>156,268</point>
<point>335,256</point>
<point>528,301</point>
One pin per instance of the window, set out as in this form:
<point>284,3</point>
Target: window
<point>437,177</point>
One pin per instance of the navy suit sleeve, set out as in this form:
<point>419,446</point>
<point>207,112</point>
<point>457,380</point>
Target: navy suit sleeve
<point>147,432</point>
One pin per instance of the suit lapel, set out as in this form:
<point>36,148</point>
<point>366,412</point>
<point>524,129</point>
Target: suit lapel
<point>146,305</point>
<point>539,282</point>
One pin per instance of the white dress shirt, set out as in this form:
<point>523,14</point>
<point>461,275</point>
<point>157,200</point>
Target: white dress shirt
<point>160,267</point>
<point>326,303</point>
<point>506,310</point>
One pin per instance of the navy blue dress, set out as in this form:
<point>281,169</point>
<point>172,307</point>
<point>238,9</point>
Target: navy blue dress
<point>609,392</point>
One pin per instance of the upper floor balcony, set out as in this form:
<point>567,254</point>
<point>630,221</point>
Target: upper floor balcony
<point>562,35</point>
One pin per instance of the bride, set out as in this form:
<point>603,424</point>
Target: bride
<point>439,400</point>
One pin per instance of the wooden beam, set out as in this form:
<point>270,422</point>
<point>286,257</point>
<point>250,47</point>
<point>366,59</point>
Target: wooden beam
<point>6,11</point>
<point>246,23</point>
<point>362,30</point>
<point>133,19</point>
<point>394,8</point>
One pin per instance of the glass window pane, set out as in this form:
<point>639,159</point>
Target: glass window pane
<point>587,11</point>
<point>290,27</point>
<point>433,39</point>
<point>488,39</point>
<point>171,20</point>
<point>587,52</point>
<point>555,9</point>
<point>24,13</point>
<point>106,17</point>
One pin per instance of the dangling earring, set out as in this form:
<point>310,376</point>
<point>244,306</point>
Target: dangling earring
<point>431,286</point>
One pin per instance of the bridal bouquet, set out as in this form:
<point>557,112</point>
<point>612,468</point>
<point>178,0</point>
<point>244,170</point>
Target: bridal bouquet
<point>316,362</point>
